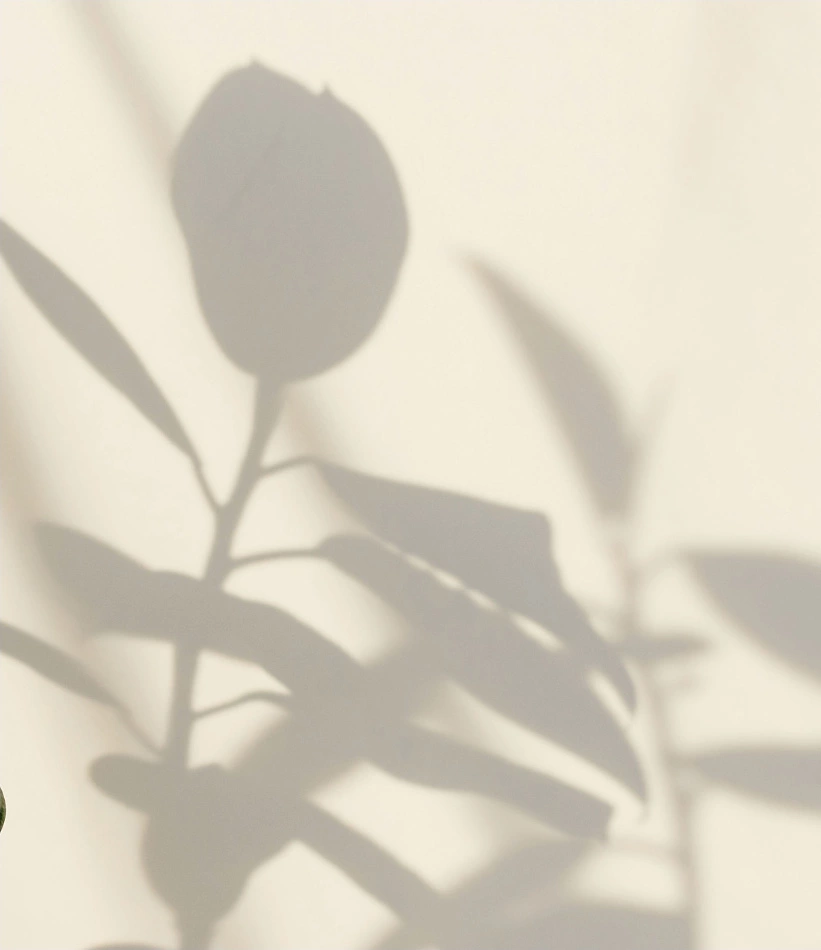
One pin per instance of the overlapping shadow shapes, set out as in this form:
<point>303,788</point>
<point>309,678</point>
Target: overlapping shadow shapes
<point>295,228</point>
<point>483,650</point>
<point>609,458</point>
<point>209,831</point>
<point>503,552</point>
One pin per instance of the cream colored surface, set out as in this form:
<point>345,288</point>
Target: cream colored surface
<point>646,171</point>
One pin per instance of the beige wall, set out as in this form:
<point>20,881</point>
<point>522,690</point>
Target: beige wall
<point>646,176</point>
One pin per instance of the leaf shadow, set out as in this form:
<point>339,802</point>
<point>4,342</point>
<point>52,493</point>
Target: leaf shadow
<point>500,551</point>
<point>574,389</point>
<point>493,658</point>
<point>296,228</point>
<point>522,901</point>
<point>781,775</point>
<point>52,664</point>
<point>775,598</point>
<point>81,323</point>
<point>339,713</point>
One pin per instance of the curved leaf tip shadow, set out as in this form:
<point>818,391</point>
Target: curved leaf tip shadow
<point>494,659</point>
<point>574,389</point>
<point>81,323</point>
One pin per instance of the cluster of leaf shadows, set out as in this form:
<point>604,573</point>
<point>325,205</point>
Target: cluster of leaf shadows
<point>296,229</point>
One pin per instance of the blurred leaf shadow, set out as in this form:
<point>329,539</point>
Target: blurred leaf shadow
<point>775,598</point>
<point>340,713</point>
<point>296,229</point>
<point>777,774</point>
<point>522,901</point>
<point>574,387</point>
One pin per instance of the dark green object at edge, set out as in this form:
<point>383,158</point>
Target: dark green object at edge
<point>2,808</point>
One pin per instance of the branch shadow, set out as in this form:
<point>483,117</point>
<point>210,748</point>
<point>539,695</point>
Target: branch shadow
<point>296,228</point>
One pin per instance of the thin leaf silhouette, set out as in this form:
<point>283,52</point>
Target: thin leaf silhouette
<point>574,389</point>
<point>80,322</point>
<point>53,664</point>
<point>498,550</point>
<point>774,597</point>
<point>785,776</point>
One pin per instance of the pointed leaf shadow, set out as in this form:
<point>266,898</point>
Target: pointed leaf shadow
<point>500,551</point>
<point>494,659</point>
<point>774,597</point>
<point>573,388</point>
<point>783,775</point>
<point>53,664</point>
<point>85,327</point>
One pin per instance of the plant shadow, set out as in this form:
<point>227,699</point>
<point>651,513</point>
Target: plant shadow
<point>296,228</point>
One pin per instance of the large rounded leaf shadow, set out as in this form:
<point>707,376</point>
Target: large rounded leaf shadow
<point>294,220</point>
